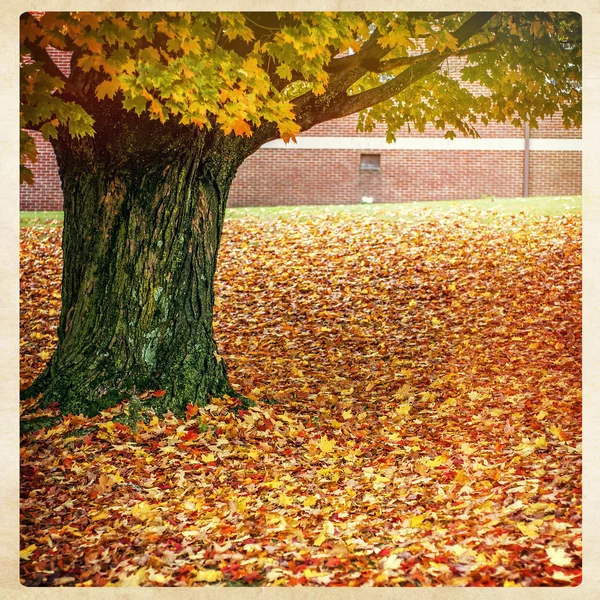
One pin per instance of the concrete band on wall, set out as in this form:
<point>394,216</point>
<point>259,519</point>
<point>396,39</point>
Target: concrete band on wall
<point>364,143</point>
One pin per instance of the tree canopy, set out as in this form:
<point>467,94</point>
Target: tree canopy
<point>266,75</point>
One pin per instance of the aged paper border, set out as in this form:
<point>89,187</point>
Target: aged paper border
<point>9,303</point>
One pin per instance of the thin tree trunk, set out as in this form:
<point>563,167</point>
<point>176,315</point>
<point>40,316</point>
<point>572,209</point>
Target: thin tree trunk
<point>144,209</point>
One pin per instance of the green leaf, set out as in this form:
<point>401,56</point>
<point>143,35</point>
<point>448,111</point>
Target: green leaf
<point>137,103</point>
<point>48,131</point>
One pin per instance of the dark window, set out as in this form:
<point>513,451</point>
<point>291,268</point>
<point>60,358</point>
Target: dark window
<point>370,162</point>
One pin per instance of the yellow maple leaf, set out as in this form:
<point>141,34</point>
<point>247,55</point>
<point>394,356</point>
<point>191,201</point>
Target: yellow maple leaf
<point>190,504</point>
<point>557,432</point>
<point>141,510</point>
<point>460,477</point>
<point>526,449</point>
<point>320,539</point>
<point>347,414</point>
<point>326,445</point>
<point>284,500</point>
<point>309,501</point>
<point>108,88</point>
<point>26,553</point>
<point>314,574</point>
<point>467,449</point>
<point>559,557</point>
<point>530,530</point>
<point>101,515</point>
<point>560,576</point>
<point>288,131</point>
<point>417,520</point>
<point>391,562</point>
<point>486,506</point>
<point>209,575</point>
<point>133,580</point>
<point>207,458</point>
<point>541,441</point>
<point>157,577</point>
<point>421,469</point>
<point>437,461</point>
<point>403,409</point>
<point>458,549</point>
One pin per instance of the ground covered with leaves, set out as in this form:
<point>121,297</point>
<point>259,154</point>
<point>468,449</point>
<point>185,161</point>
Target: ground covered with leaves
<point>417,417</point>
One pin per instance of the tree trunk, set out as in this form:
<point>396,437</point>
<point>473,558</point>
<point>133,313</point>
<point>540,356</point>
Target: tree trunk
<point>144,205</point>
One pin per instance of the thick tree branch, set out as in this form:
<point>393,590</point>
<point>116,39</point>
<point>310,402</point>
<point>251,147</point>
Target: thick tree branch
<point>263,23</point>
<point>40,55</point>
<point>471,26</point>
<point>402,61</point>
<point>333,104</point>
<point>432,15</point>
<point>369,55</point>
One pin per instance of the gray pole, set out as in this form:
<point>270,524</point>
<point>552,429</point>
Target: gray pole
<point>526,163</point>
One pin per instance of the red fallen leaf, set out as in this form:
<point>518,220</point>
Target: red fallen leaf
<point>191,410</point>
<point>333,562</point>
<point>189,436</point>
<point>264,425</point>
<point>384,551</point>
<point>87,440</point>
<point>159,393</point>
<point>296,568</point>
<point>252,576</point>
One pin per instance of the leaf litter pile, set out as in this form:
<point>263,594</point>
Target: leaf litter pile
<point>417,417</point>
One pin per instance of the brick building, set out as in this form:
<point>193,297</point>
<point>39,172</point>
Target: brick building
<point>334,164</point>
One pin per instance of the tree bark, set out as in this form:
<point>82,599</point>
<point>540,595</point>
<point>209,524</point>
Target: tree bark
<point>144,205</point>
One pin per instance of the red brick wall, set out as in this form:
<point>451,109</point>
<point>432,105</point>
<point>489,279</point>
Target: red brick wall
<point>45,193</point>
<point>554,173</point>
<point>347,127</point>
<point>334,176</point>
